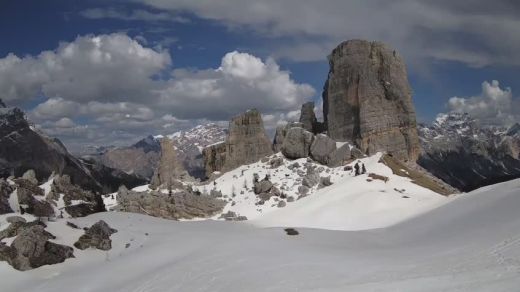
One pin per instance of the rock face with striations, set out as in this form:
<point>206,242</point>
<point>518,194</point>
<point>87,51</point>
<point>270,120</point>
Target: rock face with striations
<point>246,143</point>
<point>169,169</point>
<point>308,117</point>
<point>367,100</point>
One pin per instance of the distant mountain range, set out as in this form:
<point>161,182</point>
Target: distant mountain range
<point>467,156</point>
<point>23,148</point>
<point>142,157</point>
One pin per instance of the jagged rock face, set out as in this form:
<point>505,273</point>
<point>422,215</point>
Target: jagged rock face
<point>32,249</point>
<point>169,169</point>
<point>27,192</point>
<point>97,236</point>
<point>308,117</point>
<point>178,205</point>
<point>215,157</point>
<point>247,142</point>
<point>5,193</point>
<point>22,148</point>
<point>78,202</point>
<point>466,156</point>
<point>297,143</point>
<point>367,100</point>
<point>279,136</point>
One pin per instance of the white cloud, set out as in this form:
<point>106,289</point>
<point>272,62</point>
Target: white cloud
<point>241,82</point>
<point>494,106</point>
<point>111,88</point>
<point>109,67</point>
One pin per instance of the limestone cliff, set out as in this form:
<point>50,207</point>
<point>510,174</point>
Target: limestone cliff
<point>247,142</point>
<point>367,100</point>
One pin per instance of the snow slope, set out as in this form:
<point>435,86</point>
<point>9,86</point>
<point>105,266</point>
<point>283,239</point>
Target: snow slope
<point>471,243</point>
<point>351,203</point>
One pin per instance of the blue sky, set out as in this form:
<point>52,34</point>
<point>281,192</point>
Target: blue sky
<point>450,51</point>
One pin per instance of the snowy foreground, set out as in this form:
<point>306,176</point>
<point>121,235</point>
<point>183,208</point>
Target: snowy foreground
<point>350,203</point>
<point>470,243</point>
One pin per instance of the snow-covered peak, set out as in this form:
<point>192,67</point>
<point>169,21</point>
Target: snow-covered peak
<point>458,121</point>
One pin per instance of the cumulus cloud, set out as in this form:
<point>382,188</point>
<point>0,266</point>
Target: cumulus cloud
<point>241,82</point>
<point>111,89</point>
<point>494,106</point>
<point>476,32</point>
<point>109,67</point>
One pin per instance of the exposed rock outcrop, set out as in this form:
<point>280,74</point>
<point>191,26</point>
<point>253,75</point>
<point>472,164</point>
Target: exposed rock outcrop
<point>97,236</point>
<point>214,157</point>
<point>169,169</point>
<point>32,249</point>
<point>367,100</point>
<point>308,119</point>
<point>78,202</point>
<point>30,175</point>
<point>175,205</point>
<point>27,192</point>
<point>5,193</point>
<point>297,143</point>
<point>247,142</point>
<point>322,149</point>
<point>263,186</point>
<point>18,224</point>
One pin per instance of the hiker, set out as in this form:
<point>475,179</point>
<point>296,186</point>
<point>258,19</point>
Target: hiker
<point>363,169</point>
<point>356,168</point>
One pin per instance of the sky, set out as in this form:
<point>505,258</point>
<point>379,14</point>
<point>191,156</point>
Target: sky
<point>110,72</point>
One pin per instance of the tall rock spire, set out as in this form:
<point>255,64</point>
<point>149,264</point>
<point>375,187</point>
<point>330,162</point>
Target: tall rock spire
<point>367,100</point>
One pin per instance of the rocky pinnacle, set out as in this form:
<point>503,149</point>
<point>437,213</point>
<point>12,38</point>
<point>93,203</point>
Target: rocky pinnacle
<point>367,100</point>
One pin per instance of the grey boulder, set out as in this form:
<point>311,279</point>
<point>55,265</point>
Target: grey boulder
<point>32,249</point>
<point>97,236</point>
<point>322,149</point>
<point>297,143</point>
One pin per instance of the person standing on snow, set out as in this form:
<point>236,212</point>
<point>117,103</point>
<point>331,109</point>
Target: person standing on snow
<point>363,169</point>
<point>356,168</point>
